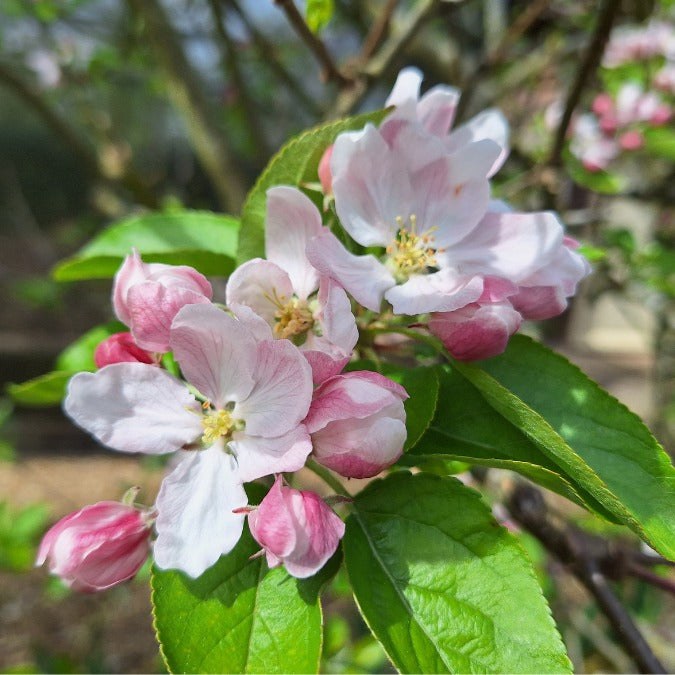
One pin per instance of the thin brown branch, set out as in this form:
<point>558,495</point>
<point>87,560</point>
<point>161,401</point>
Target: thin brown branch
<point>377,31</point>
<point>584,555</point>
<point>640,572</point>
<point>329,70</point>
<point>188,96</point>
<point>587,66</point>
<point>268,53</point>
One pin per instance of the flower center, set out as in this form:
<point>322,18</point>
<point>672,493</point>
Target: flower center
<point>217,424</point>
<point>411,253</point>
<point>293,320</point>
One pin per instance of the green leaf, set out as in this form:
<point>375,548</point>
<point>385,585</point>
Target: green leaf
<point>295,163</point>
<point>206,241</point>
<point>318,13</point>
<point>239,617</point>
<point>603,182</point>
<point>41,391</point>
<point>660,141</point>
<point>467,429</point>
<point>79,355</point>
<point>442,586</point>
<point>596,441</point>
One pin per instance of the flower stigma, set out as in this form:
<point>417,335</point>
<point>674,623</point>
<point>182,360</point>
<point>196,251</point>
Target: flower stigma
<point>411,253</point>
<point>219,424</point>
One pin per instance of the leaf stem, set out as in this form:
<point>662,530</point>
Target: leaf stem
<point>327,477</point>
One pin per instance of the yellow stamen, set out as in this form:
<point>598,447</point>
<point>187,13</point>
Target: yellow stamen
<point>218,424</point>
<point>411,253</point>
<point>293,320</point>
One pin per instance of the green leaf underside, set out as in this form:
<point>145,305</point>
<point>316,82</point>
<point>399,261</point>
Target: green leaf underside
<point>660,141</point>
<point>595,440</point>
<point>206,241</point>
<point>79,355</point>
<point>442,585</point>
<point>240,617</point>
<point>45,390</point>
<point>466,428</point>
<point>295,163</point>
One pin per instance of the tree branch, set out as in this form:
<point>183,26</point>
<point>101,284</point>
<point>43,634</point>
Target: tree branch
<point>329,70</point>
<point>377,31</point>
<point>589,63</point>
<point>584,555</point>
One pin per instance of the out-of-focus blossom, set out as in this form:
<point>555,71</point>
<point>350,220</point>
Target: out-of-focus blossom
<point>357,423</point>
<point>147,296</point>
<point>120,348</point>
<point>45,64</point>
<point>590,145</point>
<point>254,396</point>
<point>97,547</point>
<point>287,291</point>
<point>296,528</point>
<point>665,78</point>
<point>637,43</point>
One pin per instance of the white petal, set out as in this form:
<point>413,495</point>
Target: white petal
<point>134,407</point>
<point>292,220</point>
<point>196,525</point>
<point>216,353</point>
<point>406,87</point>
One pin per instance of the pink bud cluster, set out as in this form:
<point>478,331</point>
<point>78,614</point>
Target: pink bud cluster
<point>262,385</point>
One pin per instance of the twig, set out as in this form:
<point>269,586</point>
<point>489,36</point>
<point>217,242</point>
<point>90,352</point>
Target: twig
<point>377,32</point>
<point>650,577</point>
<point>329,70</point>
<point>267,51</point>
<point>581,553</point>
<point>588,64</point>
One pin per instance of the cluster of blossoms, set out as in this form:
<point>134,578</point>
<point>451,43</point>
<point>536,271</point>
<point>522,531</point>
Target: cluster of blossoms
<point>262,383</point>
<point>616,123</point>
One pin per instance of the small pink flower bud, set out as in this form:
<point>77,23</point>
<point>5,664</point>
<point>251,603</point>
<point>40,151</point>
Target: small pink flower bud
<point>357,423</point>
<point>324,171</point>
<point>296,528</point>
<point>120,348</point>
<point>609,123</point>
<point>147,297</point>
<point>631,140</point>
<point>476,331</point>
<point>602,104</point>
<point>97,547</point>
<point>661,115</point>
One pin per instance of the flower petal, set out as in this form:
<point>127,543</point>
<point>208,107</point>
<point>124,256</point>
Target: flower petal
<point>134,407</point>
<point>292,220</point>
<point>216,353</point>
<point>195,525</point>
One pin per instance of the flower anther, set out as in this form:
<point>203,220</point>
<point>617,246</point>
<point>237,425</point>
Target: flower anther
<point>411,253</point>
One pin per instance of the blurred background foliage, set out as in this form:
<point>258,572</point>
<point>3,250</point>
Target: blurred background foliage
<point>112,108</point>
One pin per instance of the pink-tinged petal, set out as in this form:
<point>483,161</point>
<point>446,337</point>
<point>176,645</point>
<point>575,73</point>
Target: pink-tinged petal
<point>321,362</point>
<point>476,332</point>
<point>324,171</point>
<point>281,393</point>
<point>260,285</point>
<point>441,291</point>
<point>259,328</point>
<point>489,124</point>
<point>152,307</point>
<point>371,186</point>
<point>509,245</point>
<point>217,353</point>
<point>360,448</point>
<point>132,271</point>
<point>353,395</point>
<point>496,289</point>
<point>134,407</point>
<point>406,87</point>
<point>364,277</point>
<point>196,525</point>
<point>273,524</point>
<point>257,456</point>
<point>539,302</point>
<point>292,220</point>
<point>436,110</point>
<point>179,276</point>
<point>120,348</point>
<point>564,270</point>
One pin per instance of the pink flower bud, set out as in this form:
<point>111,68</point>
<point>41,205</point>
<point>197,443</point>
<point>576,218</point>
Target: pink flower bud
<point>661,115</point>
<point>296,528</point>
<point>476,331</point>
<point>357,423</point>
<point>325,175</point>
<point>602,104</point>
<point>120,348</point>
<point>147,297</point>
<point>631,140</point>
<point>97,547</point>
<point>609,123</point>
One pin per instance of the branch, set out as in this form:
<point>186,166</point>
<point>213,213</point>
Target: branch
<point>589,63</point>
<point>377,31</point>
<point>583,553</point>
<point>188,97</point>
<point>329,69</point>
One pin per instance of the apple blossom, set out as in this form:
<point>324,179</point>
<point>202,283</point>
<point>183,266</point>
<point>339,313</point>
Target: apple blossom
<point>296,528</point>
<point>147,296</point>
<point>288,292</point>
<point>120,348</point>
<point>357,423</point>
<point>253,396</point>
<point>97,547</point>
